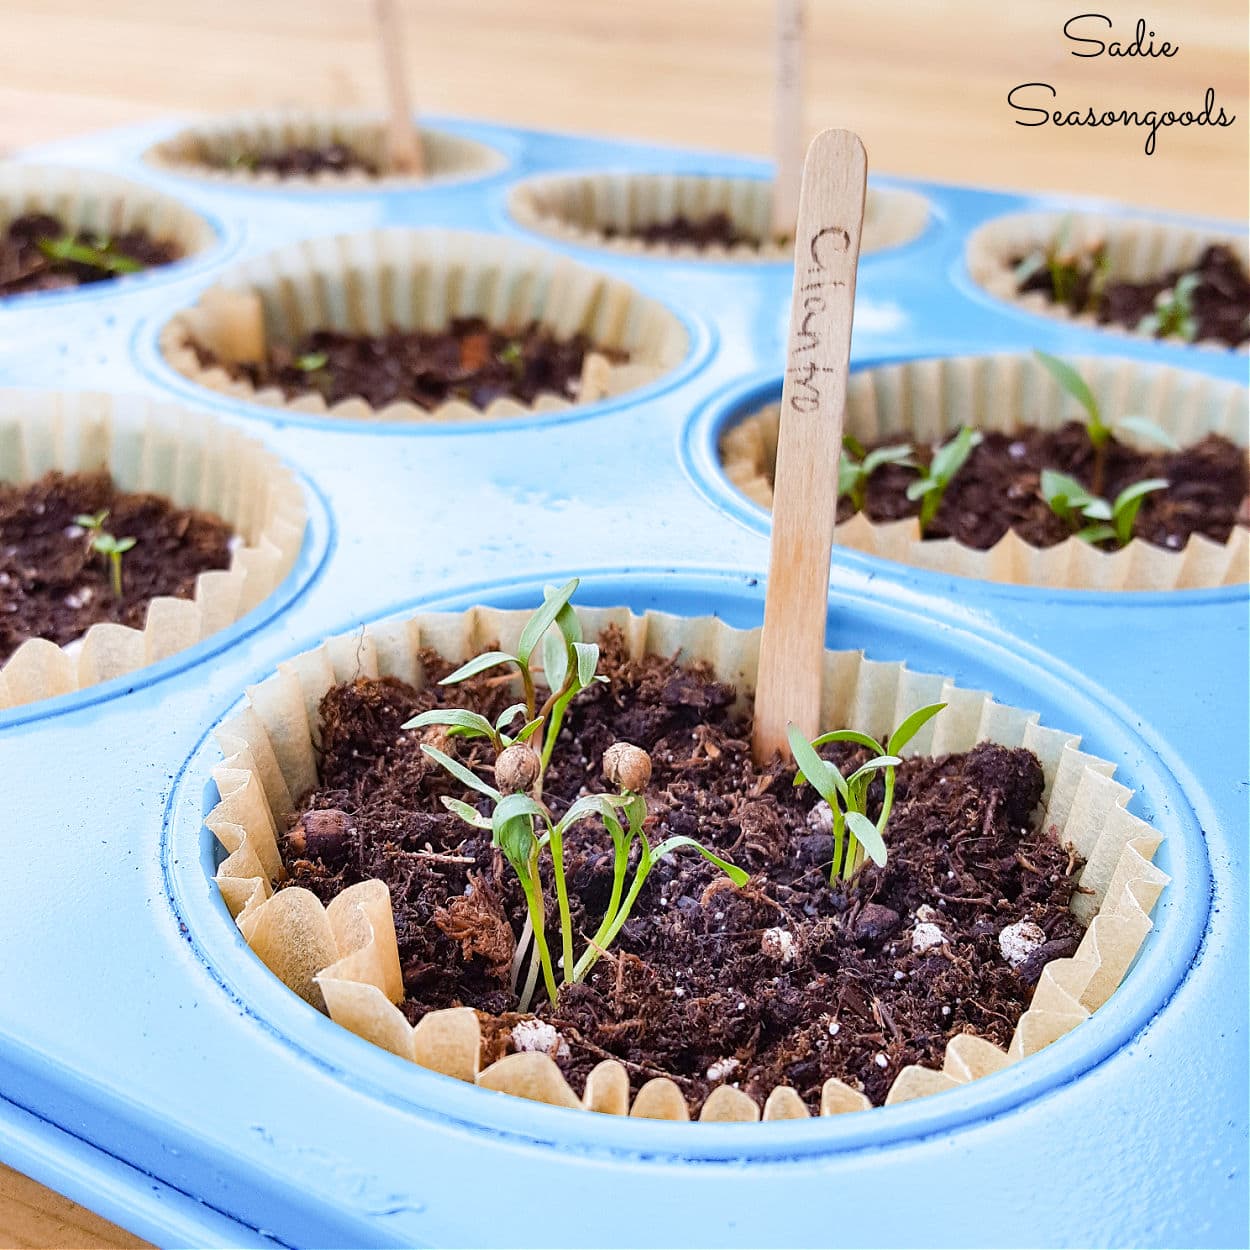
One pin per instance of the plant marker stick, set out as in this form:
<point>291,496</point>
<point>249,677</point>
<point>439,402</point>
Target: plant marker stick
<point>809,445</point>
<point>403,143</point>
<point>787,117</point>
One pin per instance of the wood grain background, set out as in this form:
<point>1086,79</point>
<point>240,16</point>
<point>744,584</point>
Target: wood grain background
<point>924,82</point>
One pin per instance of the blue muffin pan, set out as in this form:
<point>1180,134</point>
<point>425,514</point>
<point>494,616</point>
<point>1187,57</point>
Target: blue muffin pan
<point>152,1069</point>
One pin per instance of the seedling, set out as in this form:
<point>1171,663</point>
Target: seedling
<point>510,354</point>
<point>1066,269</point>
<point>1100,431</point>
<point>1173,314</point>
<point>946,462</point>
<point>98,255</point>
<point>857,465</point>
<point>1113,521</point>
<point>101,541</point>
<point>854,834</point>
<point>521,824</point>
<point>311,362</point>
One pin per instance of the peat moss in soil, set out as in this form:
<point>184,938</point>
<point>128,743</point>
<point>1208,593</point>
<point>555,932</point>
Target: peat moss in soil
<point>54,586</point>
<point>715,230</point>
<point>470,361</point>
<point>301,161</point>
<point>25,264</point>
<point>1220,301</point>
<point>785,981</point>
<point>999,488</point>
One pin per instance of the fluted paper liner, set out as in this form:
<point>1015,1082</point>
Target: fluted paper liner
<point>89,199</point>
<point>199,151</point>
<point>582,208</point>
<point>421,280</point>
<point>926,400</point>
<point>1137,251</point>
<point>191,460</point>
<point>343,958</point>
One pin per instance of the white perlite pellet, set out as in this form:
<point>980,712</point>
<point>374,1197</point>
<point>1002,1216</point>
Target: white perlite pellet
<point>924,937</point>
<point>820,818</point>
<point>1018,941</point>
<point>778,943</point>
<point>721,1069</point>
<point>538,1035</point>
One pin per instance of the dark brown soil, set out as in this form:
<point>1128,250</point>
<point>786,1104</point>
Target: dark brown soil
<point>52,585</point>
<point>716,230</point>
<point>470,361</point>
<point>24,265</point>
<point>998,488</point>
<point>700,978</point>
<point>303,162</point>
<point>1220,300</point>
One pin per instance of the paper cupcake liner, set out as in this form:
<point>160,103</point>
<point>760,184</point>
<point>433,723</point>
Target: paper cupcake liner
<point>192,152</point>
<point>192,461</point>
<point>580,208</point>
<point>1136,251</point>
<point>421,279</point>
<point>344,960</point>
<point>927,399</point>
<point>87,199</point>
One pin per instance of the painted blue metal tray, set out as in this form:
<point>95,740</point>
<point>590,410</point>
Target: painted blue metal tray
<point>151,1068</point>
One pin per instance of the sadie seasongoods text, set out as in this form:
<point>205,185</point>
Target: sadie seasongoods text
<point>1093,36</point>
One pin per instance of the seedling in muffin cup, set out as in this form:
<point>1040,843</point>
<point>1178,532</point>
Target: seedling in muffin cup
<point>522,825</point>
<point>947,461</point>
<point>856,466</point>
<point>112,549</point>
<point>1065,269</point>
<point>1173,313</point>
<point>1100,431</point>
<point>1112,521</point>
<point>101,255</point>
<point>854,834</point>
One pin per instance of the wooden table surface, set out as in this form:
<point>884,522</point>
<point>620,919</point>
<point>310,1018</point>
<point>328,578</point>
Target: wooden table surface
<point>924,83</point>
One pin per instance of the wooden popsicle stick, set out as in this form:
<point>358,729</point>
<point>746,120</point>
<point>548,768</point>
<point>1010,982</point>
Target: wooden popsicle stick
<point>787,117</point>
<point>404,154</point>
<point>809,442</point>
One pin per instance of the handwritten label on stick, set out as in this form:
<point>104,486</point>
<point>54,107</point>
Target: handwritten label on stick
<point>805,499</point>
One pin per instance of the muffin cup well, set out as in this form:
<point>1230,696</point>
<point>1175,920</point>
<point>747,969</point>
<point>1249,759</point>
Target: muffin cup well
<point>344,959</point>
<point>199,151</point>
<point>583,209</point>
<point>421,280</point>
<point>927,399</point>
<point>1136,250</point>
<point>189,459</point>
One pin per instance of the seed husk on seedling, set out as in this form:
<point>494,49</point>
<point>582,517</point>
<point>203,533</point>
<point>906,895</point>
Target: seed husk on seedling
<point>1109,520</point>
<point>521,824</point>
<point>1100,431</point>
<point>947,461</point>
<point>854,834</point>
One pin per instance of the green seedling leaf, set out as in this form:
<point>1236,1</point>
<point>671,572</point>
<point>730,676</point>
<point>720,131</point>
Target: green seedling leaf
<point>1128,503</point>
<point>951,456</point>
<point>587,661</point>
<point>92,522</point>
<point>540,622</point>
<point>872,766</point>
<point>849,735</point>
<point>555,661</point>
<point>509,714</point>
<point>312,361</point>
<point>826,780</point>
<point>734,873</point>
<point>470,815</point>
<point>900,453</point>
<point>1144,428</point>
<point>460,772</point>
<point>1029,267</point>
<point>849,473</point>
<point>527,730</point>
<point>868,836</point>
<point>79,252</point>
<point>912,725</point>
<point>473,724</point>
<point>1065,496</point>
<point>1095,533</point>
<point>1072,383</point>
<point>601,805</point>
<point>479,664</point>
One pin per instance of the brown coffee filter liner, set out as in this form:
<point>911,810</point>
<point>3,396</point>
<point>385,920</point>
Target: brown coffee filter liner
<point>87,199</point>
<point>421,279</point>
<point>201,150</point>
<point>185,457</point>
<point>343,958</point>
<point>581,208</point>
<point>1137,251</point>
<point>925,400</point>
